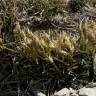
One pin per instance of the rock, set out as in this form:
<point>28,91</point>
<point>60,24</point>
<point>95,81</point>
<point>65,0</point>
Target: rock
<point>89,90</point>
<point>73,92</point>
<point>40,94</point>
<point>66,92</point>
<point>62,92</point>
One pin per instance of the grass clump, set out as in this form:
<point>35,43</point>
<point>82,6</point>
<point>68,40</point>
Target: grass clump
<point>61,49</point>
<point>46,8</point>
<point>45,59</point>
<point>43,45</point>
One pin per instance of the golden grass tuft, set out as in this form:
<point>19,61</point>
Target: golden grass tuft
<point>42,46</point>
<point>88,31</point>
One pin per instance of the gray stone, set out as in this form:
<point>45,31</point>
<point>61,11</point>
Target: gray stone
<point>87,91</point>
<point>40,94</point>
<point>62,92</point>
<point>66,92</point>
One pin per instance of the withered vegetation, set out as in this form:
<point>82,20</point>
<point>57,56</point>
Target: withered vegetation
<point>46,45</point>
